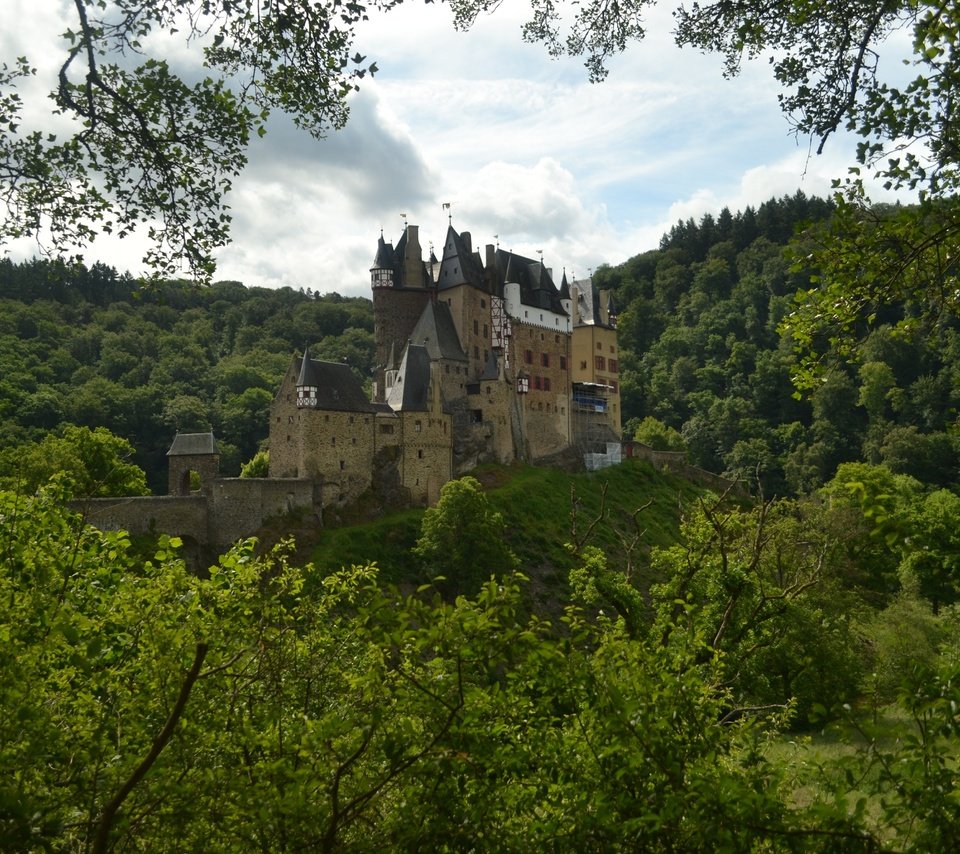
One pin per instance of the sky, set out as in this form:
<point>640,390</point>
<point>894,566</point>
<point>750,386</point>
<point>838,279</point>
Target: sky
<point>527,152</point>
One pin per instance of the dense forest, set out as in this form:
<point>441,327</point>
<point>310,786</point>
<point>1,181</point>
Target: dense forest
<point>703,355</point>
<point>591,662</point>
<point>96,349</point>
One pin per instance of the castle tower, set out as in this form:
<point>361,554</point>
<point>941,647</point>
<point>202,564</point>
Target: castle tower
<point>192,452</point>
<point>307,383</point>
<point>402,285</point>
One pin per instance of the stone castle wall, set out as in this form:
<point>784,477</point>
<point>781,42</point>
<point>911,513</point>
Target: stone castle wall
<point>230,509</point>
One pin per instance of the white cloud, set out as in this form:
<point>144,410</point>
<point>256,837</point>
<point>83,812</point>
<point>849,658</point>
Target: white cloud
<point>522,145</point>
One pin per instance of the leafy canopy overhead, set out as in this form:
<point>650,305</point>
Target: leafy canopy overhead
<point>158,146</point>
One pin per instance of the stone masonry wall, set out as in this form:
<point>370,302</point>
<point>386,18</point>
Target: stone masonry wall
<point>544,411</point>
<point>427,461</point>
<point>284,448</point>
<point>180,516</point>
<point>239,506</point>
<point>336,447</point>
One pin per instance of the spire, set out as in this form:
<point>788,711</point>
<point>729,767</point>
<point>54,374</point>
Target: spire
<point>381,273</point>
<point>307,383</point>
<point>564,286</point>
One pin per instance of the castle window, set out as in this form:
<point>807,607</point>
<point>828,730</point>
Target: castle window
<point>350,419</point>
<point>556,339</point>
<point>420,454</point>
<point>600,363</point>
<point>486,355</point>
<point>417,426</point>
<point>541,317</point>
<point>528,356</point>
<point>278,419</point>
<point>536,383</point>
<point>326,417</point>
<point>289,419</point>
<point>476,352</point>
<point>599,346</point>
<point>613,349</point>
<point>613,386</point>
<point>613,365</point>
<point>483,303</point>
<point>288,438</point>
<point>342,465</point>
<point>523,385</point>
<point>446,369</point>
<point>526,313</point>
<point>546,383</point>
<point>353,441</point>
<point>386,429</point>
<point>583,366</point>
<point>545,360</point>
<point>486,331</point>
<point>563,363</point>
<point>333,440</point>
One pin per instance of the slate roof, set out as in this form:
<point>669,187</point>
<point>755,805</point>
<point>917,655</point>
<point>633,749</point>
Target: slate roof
<point>588,304</point>
<point>436,331</point>
<point>410,391</point>
<point>459,266</point>
<point>338,389</point>
<point>386,258</point>
<point>390,258</point>
<point>193,444</point>
<point>491,370</point>
<point>536,286</point>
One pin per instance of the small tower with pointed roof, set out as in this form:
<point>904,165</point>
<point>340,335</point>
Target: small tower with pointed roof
<point>307,383</point>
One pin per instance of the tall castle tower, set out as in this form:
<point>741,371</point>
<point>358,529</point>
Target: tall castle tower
<point>402,285</point>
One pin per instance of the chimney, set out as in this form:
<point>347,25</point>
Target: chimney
<point>467,241</point>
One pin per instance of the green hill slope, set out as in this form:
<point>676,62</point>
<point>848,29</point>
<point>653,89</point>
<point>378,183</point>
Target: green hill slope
<point>537,507</point>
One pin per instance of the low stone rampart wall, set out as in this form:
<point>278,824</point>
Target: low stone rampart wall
<point>179,516</point>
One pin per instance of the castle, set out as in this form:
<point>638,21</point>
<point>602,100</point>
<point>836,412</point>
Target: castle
<point>478,359</point>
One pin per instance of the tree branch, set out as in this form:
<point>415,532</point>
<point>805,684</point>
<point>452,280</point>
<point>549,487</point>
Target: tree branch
<point>110,810</point>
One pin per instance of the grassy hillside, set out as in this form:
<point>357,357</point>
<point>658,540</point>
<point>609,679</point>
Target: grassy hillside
<point>536,505</point>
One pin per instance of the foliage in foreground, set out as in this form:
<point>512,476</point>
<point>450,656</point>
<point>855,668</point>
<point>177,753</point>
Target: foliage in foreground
<point>140,705</point>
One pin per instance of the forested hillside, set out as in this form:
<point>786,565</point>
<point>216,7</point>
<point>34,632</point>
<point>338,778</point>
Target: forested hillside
<point>702,354</point>
<point>97,349</point>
